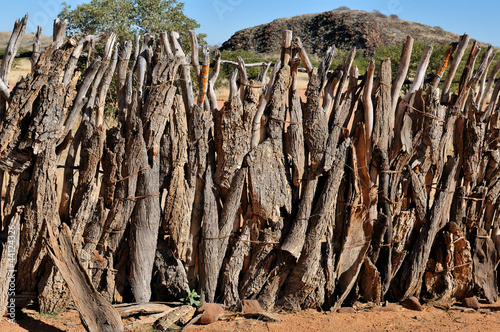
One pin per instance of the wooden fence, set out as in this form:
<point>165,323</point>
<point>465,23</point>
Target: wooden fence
<point>368,189</point>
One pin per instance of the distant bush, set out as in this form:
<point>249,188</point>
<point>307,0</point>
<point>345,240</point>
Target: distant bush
<point>342,8</point>
<point>438,27</point>
<point>394,16</point>
<point>379,14</point>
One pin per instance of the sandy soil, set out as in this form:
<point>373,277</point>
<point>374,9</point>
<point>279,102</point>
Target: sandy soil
<point>390,318</point>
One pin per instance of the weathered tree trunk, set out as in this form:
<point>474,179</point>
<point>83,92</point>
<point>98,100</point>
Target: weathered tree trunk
<point>95,312</point>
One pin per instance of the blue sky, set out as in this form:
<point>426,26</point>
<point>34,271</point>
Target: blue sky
<point>219,19</point>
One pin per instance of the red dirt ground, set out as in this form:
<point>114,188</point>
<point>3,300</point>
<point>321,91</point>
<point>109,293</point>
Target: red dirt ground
<point>390,318</point>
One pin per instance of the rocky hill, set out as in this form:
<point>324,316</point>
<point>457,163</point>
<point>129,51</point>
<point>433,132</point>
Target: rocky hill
<point>343,27</point>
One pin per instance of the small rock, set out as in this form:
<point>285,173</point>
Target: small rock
<point>471,302</point>
<point>211,314</point>
<point>412,303</point>
<point>251,306</point>
<point>346,310</point>
<point>390,307</point>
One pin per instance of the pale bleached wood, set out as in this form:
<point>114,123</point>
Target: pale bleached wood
<point>262,106</point>
<point>59,29</point>
<point>5,92</point>
<point>329,91</point>
<point>11,49</point>
<point>491,80</point>
<point>487,58</point>
<point>417,84</point>
<point>243,77</point>
<point>286,47</point>
<point>211,82</point>
<point>194,54</point>
<point>101,103</point>
<point>462,46</point>
<point>466,79</point>
<point>91,101</point>
<point>185,79</point>
<point>346,68</point>
<point>75,56</point>
<point>367,102</point>
<point>404,64</point>
<point>166,44</point>
<point>303,56</point>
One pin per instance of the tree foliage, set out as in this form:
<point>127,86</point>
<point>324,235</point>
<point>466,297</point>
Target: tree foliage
<point>128,17</point>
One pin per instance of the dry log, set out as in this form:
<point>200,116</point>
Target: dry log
<point>232,140</point>
<point>315,117</point>
<point>141,308</point>
<point>300,284</point>
<point>286,47</point>
<point>169,275</point>
<point>59,29</point>
<point>368,105</point>
<point>234,265</point>
<point>295,133</point>
<point>444,64</point>
<point>228,215</point>
<point>413,268</point>
<point>346,69</point>
<point>209,268</point>
<point>257,120</point>
<point>303,56</point>
<point>95,312</point>
<point>178,205</point>
<point>183,313</point>
<point>37,48</point>
<point>485,258</point>
<point>159,102</point>
<point>462,46</point>
<point>357,233</point>
<point>145,219</point>
<point>404,63</point>
<point>10,52</point>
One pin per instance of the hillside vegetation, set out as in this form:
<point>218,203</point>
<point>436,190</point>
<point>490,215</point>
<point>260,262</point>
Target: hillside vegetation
<point>343,27</point>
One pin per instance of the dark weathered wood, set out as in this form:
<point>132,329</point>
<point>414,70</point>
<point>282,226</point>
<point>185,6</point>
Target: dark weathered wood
<point>229,214</point>
<point>413,269</point>
<point>209,268</point>
<point>485,258</point>
<point>95,312</point>
<point>37,48</point>
<point>234,265</point>
<point>300,283</point>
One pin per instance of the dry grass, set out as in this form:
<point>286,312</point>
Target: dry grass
<point>26,43</point>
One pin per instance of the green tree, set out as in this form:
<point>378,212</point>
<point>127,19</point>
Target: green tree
<point>128,17</point>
